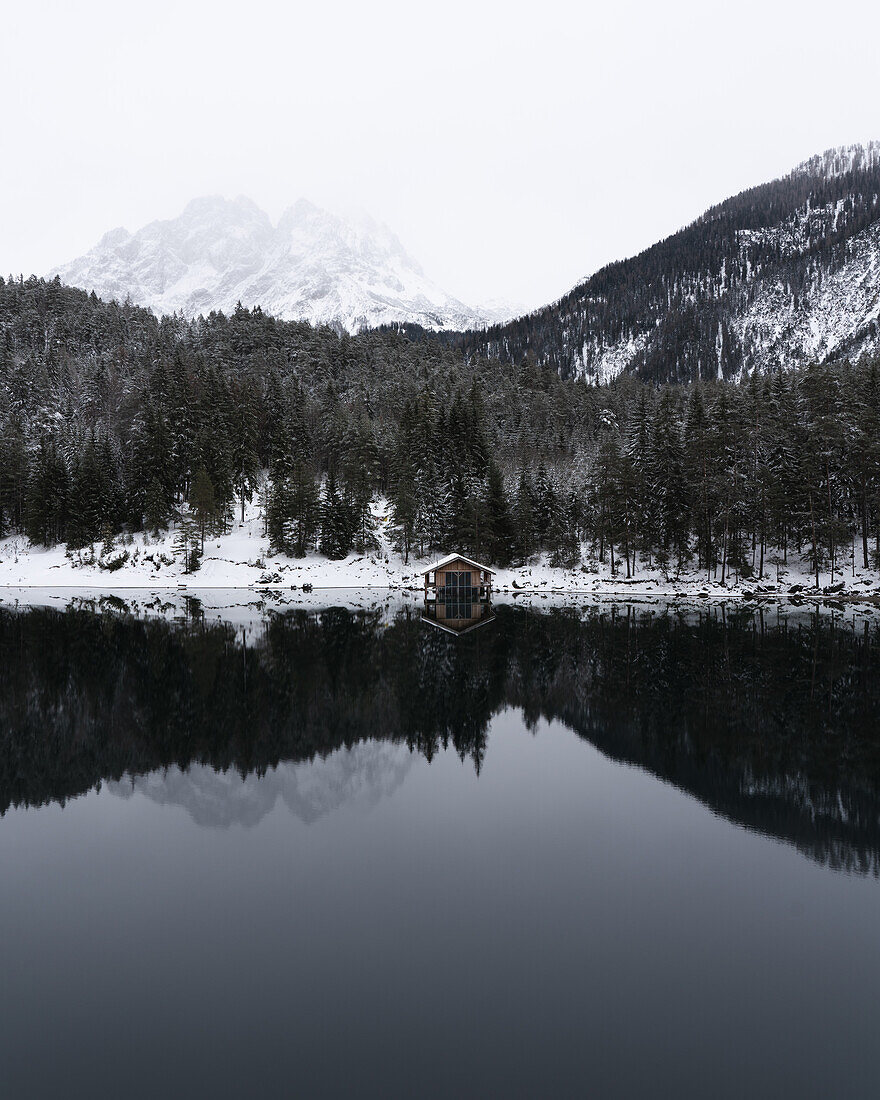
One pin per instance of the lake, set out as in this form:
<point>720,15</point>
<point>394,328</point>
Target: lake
<point>586,850</point>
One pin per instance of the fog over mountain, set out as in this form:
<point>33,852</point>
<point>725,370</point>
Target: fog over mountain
<point>350,273</point>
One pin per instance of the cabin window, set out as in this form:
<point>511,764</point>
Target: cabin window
<point>458,580</point>
<point>458,594</point>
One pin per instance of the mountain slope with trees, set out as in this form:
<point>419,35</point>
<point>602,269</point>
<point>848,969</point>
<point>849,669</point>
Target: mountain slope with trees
<point>781,275</point>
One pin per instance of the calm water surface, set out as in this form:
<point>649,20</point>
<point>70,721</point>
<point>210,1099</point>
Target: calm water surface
<point>603,852</point>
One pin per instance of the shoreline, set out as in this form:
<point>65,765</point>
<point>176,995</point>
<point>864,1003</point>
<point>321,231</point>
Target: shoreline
<point>250,608</point>
<point>630,593</point>
<point>240,561</point>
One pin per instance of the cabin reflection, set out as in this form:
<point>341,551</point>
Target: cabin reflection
<point>458,617</point>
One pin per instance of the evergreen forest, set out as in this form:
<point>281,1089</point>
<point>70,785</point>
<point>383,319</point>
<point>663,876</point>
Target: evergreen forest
<point>113,421</point>
<point>678,310</point>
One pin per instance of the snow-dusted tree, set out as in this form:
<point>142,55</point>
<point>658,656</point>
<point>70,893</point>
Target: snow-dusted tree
<point>203,505</point>
<point>336,522</point>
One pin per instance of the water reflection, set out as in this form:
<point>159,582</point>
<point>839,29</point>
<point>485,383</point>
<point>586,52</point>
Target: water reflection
<point>357,777</point>
<point>771,721</point>
<point>459,617</point>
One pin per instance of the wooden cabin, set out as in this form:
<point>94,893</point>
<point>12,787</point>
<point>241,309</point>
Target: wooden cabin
<point>458,593</point>
<point>457,579</point>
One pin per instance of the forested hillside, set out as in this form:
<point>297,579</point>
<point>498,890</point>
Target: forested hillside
<point>113,421</point>
<point>780,275</point>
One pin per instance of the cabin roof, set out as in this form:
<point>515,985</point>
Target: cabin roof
<point>455,557</point>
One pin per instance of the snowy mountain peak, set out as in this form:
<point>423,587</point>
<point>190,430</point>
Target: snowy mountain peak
<point>358,237</point>
<point>114,237</point>
<point>351,273</point>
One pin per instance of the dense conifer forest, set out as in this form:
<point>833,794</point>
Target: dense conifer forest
<point>112,421</point>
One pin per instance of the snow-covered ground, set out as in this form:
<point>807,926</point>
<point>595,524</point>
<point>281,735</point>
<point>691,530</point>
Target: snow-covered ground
<point>240,560</point>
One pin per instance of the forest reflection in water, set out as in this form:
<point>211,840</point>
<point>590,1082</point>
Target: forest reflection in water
<point>255,849</point>
<point>771,719</point>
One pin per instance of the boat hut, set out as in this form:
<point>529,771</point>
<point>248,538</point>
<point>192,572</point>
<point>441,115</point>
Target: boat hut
<point>457,579</point>
<point>458,593</point>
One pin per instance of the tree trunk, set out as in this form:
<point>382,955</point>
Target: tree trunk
<point>626,543</point>
<point>830,521</point>
<point>813,532</point>
<point>864,522</point>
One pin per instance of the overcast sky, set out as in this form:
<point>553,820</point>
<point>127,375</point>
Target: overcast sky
<point>513,148</point>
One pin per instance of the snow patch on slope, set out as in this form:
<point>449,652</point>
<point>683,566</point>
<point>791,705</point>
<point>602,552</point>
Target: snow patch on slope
<point>602,363</point>
<point>833,316</point>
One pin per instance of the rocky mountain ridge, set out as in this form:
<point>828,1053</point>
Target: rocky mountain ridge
<point>349,273</point>
<point>783,274</point>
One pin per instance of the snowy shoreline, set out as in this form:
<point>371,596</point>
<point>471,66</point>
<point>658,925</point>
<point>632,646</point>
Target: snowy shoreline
<point>249,610</point>
<point>640,589</point>
<point>240,561</point>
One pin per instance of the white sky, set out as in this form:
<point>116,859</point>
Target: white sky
<point>514,148</point>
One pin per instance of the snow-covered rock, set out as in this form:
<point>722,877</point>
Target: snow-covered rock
<point>350,273</point>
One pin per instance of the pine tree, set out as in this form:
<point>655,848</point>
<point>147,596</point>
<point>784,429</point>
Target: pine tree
<point>189,543</point>
<point>46,505</point>
<point>524,519</point>
<point>669,513</point>
<point>866,451</point>
<point>544,505</point>
<point>434,492</point>
<point>278,513</point>
<point>243,459</point>
<point>636,448</point>
<point>303,502</point>
<point>157,512</point>
<point>203,505</point>
<point>561,539</point>
<point>404,515</point>
<point>696,445</point>
<point>336,522</point>
<point>498,534</point>
<point>13,478</point>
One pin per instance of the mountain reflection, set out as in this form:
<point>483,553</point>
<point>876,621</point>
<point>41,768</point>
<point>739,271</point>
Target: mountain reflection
<point>771,722</point>
<point>360,776</point>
